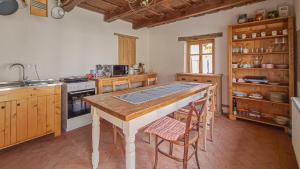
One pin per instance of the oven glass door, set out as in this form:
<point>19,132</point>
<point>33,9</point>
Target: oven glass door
<point>76,105</point>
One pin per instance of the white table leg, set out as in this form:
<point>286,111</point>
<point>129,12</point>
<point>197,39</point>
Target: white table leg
<point>130,146</point>
<point>95,138</point>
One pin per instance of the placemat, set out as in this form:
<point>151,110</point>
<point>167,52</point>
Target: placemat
<point>155,93</point>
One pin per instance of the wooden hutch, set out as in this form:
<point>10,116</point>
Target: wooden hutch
<point>255,49</point>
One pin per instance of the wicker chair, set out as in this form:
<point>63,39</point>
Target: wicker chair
<point>179,133</point>
<point>114,86</point>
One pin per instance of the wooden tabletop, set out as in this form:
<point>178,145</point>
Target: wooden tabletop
<point>127,111</point>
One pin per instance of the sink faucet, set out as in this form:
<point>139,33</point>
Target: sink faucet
<point>23,69</point>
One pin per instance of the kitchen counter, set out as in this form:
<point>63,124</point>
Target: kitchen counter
<point>296,101</point>
<point>296,126</point>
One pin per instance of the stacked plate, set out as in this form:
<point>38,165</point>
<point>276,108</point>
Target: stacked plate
<point>256,96</point>
<point>278,97</point>
<point>240,94</point>
<point>281,120</point>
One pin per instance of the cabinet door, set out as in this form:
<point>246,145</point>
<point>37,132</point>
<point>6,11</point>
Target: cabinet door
<point>50,113</point>
<point>42,115</point>
<point>22,106</point>
<point>32,117</point>
<point>2,123</point>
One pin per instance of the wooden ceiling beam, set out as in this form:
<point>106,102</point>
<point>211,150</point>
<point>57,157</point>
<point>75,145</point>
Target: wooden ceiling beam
<point>112,3</point>
<point>195,10</point>
<point>127,11</point>
<point>70,4</point>
<point>90,8</point>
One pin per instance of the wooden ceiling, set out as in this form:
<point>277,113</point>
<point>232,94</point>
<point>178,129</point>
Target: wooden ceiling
<point>162,12</point>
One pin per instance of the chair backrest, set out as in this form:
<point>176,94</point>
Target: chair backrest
<point>152,80</point>
<point>212,97</point>
<point>119,83</point>
<point>199,108</point>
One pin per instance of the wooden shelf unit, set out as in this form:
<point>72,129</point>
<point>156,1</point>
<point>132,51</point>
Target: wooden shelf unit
<point>266,107</point>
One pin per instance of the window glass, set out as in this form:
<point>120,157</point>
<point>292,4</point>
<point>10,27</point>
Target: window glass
<point>207,64</point>
<point>194,49</point>
<point>207,48</point>
<point>195,63</point>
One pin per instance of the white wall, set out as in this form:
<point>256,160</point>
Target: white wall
<point>167,54</point>
<point>297,13</point>
<point>70,46</point>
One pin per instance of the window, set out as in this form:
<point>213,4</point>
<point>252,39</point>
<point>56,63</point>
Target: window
<point>200,56</point>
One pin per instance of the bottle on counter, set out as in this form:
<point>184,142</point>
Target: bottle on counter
<point>234,107</point>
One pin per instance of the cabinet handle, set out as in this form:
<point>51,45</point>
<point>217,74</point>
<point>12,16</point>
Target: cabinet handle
<point>195,80</point>
<point>3,107</point>
<point>18,104</point>
<point>183,79</point>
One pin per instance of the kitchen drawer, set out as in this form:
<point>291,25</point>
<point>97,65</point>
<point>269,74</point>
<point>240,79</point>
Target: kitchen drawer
<point>184,78</point>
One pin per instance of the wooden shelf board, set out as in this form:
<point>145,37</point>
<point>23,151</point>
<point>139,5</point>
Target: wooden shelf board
<point>260,38</point>
<point>269,53</point>
<point>260,69</point>
<point>257,84</point>
<point>266,21</point>
<point>262,100</point>
<point>262,120</point>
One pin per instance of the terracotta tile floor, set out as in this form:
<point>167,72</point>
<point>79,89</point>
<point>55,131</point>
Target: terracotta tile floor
<point>237,145</point>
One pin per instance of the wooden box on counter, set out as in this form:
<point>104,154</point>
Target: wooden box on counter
<point>107,81</point>
<point>205,78</point>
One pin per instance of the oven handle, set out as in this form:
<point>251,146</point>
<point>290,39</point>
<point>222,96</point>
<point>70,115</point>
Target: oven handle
<point>82,91</point>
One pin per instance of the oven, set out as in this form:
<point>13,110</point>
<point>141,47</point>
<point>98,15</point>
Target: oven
<point>76,105</point>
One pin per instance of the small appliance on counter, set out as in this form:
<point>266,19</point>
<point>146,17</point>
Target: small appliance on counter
<point>112,70</point>
<point>75,112</point>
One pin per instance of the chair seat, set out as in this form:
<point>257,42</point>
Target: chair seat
<point>167,128</point>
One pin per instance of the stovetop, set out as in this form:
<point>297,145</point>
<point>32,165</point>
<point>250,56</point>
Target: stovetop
<point>74,79</point>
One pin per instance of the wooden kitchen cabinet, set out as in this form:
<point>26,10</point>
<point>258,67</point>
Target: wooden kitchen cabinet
<point>28,113</point>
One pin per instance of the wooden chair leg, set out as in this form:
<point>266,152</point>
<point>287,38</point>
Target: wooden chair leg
<point>196,155</point>
<point>204,136</point>
<point>185,156</point>
<point>171,149</point>
<point>149,138</point>
<point>115,134</point>
<point>156,152</point>
<point>212,129</point>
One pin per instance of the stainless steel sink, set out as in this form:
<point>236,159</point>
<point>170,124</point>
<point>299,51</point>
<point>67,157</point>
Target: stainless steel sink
<point>12,84</point>
<point>16,84</point>
<point>39,82</point>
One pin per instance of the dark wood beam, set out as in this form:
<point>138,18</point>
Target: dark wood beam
<point>70,5</point>
<point>112,3</point>
<point>127,11</point>
<point>195,10</point>
<point>200,37</point>
<point>90,8</point>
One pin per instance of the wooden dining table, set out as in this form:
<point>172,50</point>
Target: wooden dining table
<point>131,117</point>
